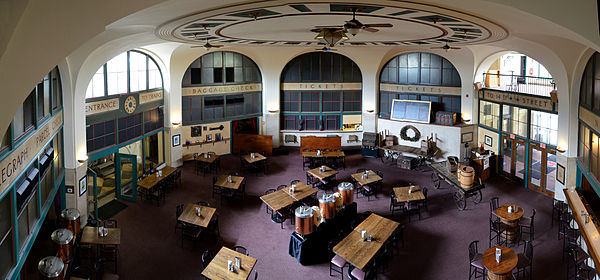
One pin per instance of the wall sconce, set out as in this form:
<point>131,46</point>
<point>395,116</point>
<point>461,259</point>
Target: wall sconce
<point>370,111</point>
<point>176,124</point>
<point>83,159</point>
<point>273,111</point>
<point>560,149</point>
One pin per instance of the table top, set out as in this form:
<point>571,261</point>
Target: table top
<point>257,157</point>
<point>402,194</point>
<point>210,159</point>
<point>278,200</point>
<point>90,236</point>
<point>152,180</point>
<point>301,191</point>
<point>373,177</point>
<point>502,212</point>
<point>316,172</point>
<point>217,268</point>
<point>358,252</point>
<point>190,216</point>
<point>507,263</point>
<point>235,184</point>
<point>324,154</point>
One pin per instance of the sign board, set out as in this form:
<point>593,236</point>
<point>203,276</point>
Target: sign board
<point>15,163</point>
<point>102,106</point>
<point>419,89</point>
<point>321,86</point>
<point>589,118</point>
<point>540,103</point>
<point>193,91</point>
<point>151,96</point>
<point>411,110</point>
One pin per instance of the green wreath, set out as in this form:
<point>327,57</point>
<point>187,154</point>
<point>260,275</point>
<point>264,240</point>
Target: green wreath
<point>405,137</point>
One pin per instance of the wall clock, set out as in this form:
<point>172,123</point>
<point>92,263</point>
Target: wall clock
<point>130,104</point>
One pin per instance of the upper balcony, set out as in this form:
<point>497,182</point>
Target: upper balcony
<point>541,86</point>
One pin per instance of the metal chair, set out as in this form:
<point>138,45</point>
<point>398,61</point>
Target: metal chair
<point>178,210</point>
<point>496,229</point>
<point>526,226</point>
<point>269,210</point>
<point>278,218</point>
<point>280,187</point>
<point>240,249</point>
<point>558,208</point>
<point>525,260</point>
<point>216,189</point>
<point>394,204</point>
<point>207,257</point>
<point>294,182</point>
<point>475,261</point>
<point>336,262</point>
<point>493,206</point>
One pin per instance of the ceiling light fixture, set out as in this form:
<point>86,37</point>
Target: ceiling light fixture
<point>331,36</point>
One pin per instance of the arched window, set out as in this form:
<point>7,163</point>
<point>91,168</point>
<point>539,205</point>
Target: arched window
<point>419,68</point>
<point>589,104</point>
<point>221,86</point>
<point>321,91</point>
<point>128,72</point>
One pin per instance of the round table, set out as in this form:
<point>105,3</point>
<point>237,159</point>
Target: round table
<point>500,270</point>
<point>511,220</point>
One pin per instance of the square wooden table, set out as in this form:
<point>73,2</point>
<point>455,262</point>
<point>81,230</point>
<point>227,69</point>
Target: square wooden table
<point>152,180</point>
<point>373,177</point>
<point>316,172</point>
<point>210,159</point>
<point>402,194</point>
<point>278,200</point>
<point>234,185</point>
<point>90,236</point>
<point>190,216</point>
<point>358,252</point>
<point>257,157</point>
<point>217,268</point>
<point>301,191</point>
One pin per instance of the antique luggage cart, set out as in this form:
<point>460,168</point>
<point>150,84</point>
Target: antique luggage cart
<point>440,172</point>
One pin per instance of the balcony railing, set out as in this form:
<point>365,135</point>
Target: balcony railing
<point>516,83</point>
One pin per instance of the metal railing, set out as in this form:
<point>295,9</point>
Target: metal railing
<point>516,83</point>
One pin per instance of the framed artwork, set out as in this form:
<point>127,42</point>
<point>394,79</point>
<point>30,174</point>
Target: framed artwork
<point>467,137</point>
<point>208,137</point>
<point>82,185</point>
<point>488,140</point>
<point>176,140</point>
<point>560,173</point>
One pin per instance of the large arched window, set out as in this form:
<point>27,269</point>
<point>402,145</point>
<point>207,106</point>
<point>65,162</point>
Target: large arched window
<point>321,91</point>
<point>128,72</point>
<point>589,106</point>
<point>221,86</point>
<point>439,77</point>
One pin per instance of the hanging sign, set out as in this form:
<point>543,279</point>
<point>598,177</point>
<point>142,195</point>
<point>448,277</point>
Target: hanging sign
<point>419,89</point>
<point>541,103</point>
<point>151,96</point>
<point>101,106</point>
<point>191,91</point>
<point>321,86</point>
<point>14,164</point>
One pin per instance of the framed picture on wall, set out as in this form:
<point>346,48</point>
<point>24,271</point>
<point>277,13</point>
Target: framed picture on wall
<point>488,140</point>
<point>560,173</point>
<point>82,185</point>
<point>467,137</point>
<point>176,140</point>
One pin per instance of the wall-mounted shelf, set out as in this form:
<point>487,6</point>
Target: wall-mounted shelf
<point>205,142</point>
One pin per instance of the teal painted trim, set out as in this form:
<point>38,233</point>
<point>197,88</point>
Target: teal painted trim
<point>589,176</point>
<point>223,120</point>
<point>320,114</point>
<point>115,148</point>
<point>15,250</point>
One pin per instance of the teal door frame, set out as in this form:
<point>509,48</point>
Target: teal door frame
<point>119,188</point>
<point>93,174</point>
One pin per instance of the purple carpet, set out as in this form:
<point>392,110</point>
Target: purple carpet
<point>436,246</point>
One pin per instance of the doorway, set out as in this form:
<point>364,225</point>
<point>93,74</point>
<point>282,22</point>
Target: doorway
<point>542,170</point>
<point>513,158</point>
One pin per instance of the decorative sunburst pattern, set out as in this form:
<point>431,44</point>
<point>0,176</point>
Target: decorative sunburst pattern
<point>265,23</point>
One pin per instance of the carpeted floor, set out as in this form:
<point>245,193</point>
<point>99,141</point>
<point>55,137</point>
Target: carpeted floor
<point>436,246</point>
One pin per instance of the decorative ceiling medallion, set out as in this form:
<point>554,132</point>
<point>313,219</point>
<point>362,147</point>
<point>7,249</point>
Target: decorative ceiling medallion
<point>273,23</point>
<point>130,104</point>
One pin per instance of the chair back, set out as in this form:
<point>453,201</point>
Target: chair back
<point>255,275</point>
<point>240,249</point>
<point>270,191</point>
<point>203,203</point>
<point>206,258</point>
<point>532,216</point>
<point>473,249</point>
<point>528,250</point>
<point>425,191</point>
<point>234,173</point>
<point>214,180</point>
<point>281,187</point>
<point>494,203</point>
<point>360,170</point>
<point>110,223</point>
<point>212,153</point>
<point>379,173</point>
<point>295,182</point>
<point>179,210</point>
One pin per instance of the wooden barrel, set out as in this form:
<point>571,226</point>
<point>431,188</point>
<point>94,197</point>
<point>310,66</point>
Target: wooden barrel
<point>63,242</point>
<point>346,189</point>
<point>304,220</point>
<point>327,205</point>
<point>51,268</point>
<point>71,220</point>
<point>466,176</point>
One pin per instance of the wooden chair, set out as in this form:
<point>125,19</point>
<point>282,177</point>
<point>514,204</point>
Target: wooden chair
<point>475,261</point>
<point>526,226</point>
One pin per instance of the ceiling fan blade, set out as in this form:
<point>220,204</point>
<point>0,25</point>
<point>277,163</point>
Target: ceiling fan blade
<point>455,48</point>
<point>216,46</point>
<point>379,25</point>
<point>328,26</point>
<point>370,29</point>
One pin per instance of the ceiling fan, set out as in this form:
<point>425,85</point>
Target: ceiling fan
<point>354,26</point>
<point>208,45</point>
<point>447,47</point>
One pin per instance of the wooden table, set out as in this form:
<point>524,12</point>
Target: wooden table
<point>234,185</point>
<point>402,194</point>
<point>217,268</point>
<point>316,172</point>
<point>257,157</point>
<point>511,220</point>
<point>190,216</point>
<point>324,154</point>
<point>278,200</point>
<point>90,236</point>
<point>373,177</point>
<point>152,180</point>
<point>500,270</point>
<point>301,191</point>
<point>358,252</point>
<point>210,159</point>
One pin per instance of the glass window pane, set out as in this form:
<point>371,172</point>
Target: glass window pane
<point>154,77</point>
<point>116,69</point>
<point>137,71</point>
<point>96,85</point>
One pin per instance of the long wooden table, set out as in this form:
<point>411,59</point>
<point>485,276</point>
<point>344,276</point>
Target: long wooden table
<point>324,154</point>
<point>372,178</point>
<point>402,194</point>
<point>217,268</point>
<point>358,252</point>
<point>152,180</point>
<point>301,191</point>
<point>283,198</point>
<point>90,236</point>
<point>190,216</point>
